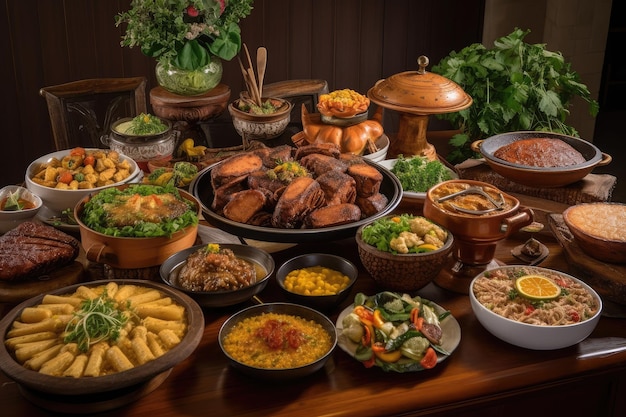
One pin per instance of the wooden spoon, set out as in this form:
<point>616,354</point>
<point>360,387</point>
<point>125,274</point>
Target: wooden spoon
<point>261,62</point>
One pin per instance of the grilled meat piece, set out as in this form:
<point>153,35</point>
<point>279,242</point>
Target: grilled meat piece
<point>299,198</point>
<point>319,164</point>
<point>243,205</point>
<point>33,249</point>
<point>338,187</point>
<point>367,177</point>
<point>334,215</point>
<point>235,167</point>
<point>372,204</point>
<point>328,149</point>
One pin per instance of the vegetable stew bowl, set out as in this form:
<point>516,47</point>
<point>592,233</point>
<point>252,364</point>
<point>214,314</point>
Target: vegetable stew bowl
<point>534,336</point>
<point>540,176</point>
<point>170,270</point>
<point>279,308</point>
<point>402,272</point>
<point>96,394</point>
<point>133,252</point>
<point>333,262</point>
<point>56,200</point>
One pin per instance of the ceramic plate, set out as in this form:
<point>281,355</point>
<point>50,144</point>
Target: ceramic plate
<point>58,220</point>
<point>449,326</point>
<point>410,196</point>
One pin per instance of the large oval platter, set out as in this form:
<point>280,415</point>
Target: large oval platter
<point>451,333</point>
<point>201,188</point>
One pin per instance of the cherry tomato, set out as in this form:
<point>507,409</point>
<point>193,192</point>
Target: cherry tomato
<point>65,177</point>
<point>430,359</point>
<point>77,151</point>
<point>89,160</point>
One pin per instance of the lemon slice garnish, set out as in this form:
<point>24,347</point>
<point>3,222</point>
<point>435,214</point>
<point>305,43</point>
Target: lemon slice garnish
<point>537,287</point>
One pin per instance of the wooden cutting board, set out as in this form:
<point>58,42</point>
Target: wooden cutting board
<point>608,279</point>
<point>16,292</point>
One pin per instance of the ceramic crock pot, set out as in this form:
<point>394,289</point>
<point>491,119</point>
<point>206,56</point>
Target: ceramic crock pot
<point>142,148</point>
<point>478,215</point>
<point>134,252</point>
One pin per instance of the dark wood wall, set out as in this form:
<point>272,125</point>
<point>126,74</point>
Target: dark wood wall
<point>350,43</point>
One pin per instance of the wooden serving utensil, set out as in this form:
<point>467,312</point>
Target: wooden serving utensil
<point>261,63</point>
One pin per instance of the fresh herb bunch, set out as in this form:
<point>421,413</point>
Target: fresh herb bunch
<point>418,174</point>
<point>515,86</point>
<point>185,33</point>
<point>97,320</point>
<point>146,124</point>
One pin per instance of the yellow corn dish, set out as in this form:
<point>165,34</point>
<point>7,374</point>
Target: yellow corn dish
<point>316,280</point>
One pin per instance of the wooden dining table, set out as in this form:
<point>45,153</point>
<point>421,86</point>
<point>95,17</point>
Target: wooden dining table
<point>484,376</point>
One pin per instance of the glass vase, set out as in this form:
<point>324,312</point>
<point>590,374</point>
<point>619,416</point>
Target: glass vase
<point>189,82</point>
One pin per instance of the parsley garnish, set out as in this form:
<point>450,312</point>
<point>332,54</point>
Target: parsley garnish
<point>97,320</point>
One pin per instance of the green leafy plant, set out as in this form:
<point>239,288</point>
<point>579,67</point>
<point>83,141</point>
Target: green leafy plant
<point>185,33</point>
<point>515,86</point>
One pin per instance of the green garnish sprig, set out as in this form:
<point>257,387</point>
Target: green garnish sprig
<point>97,320</point>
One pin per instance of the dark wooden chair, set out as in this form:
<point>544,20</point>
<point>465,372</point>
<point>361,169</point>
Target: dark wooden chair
<point>82,111</point>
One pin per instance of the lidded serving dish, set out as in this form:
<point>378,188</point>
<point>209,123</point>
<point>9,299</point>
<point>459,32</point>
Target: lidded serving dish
<point>416,95</point>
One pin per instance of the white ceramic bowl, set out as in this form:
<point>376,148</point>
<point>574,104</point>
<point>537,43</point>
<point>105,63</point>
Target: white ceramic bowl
<point>382,144</point>
<point>57,200</point>
<point>532,336</point>
<point>11,219</point>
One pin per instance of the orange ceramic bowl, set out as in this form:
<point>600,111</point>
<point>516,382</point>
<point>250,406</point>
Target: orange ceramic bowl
<point>134,252</point>
<point>599,229</point>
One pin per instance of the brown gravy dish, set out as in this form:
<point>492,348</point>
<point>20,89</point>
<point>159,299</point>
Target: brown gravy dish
<point>470,200</point>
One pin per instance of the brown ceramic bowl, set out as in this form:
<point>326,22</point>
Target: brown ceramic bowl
<point>402,272</point>
<point>599,229</point>
<point>476,235</point>
<point>260,126</point>
<point>134,252</point>
<point>540,176</point>
<point>95,394</point>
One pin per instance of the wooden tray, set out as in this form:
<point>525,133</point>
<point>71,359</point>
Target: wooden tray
<point>608,279</point>
<point>16,292</point>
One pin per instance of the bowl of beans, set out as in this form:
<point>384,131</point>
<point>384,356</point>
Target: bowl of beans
<point>218,275</point>
<point>318,280</point>
<point>278,341</point>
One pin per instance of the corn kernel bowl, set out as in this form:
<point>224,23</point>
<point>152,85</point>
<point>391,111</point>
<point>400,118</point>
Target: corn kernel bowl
<point>320,302</point>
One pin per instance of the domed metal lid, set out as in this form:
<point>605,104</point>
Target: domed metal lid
<point>420,92</point>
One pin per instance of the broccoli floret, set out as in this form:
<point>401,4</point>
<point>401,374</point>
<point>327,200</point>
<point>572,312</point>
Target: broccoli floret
<point>154,175</point>
<point>186,169</point>
<point>418,174</point>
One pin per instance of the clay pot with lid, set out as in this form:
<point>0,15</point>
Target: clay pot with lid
<point>477,222</point>
<point>416,95</point>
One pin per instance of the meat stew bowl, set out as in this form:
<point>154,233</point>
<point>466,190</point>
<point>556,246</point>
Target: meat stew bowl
<point>98,393</point>
<point>283,374</point>
<point>170,269</point>
<point>202,190</point>
<point>527,335</point>
<point>56,200</point>
<point>540,176</point>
